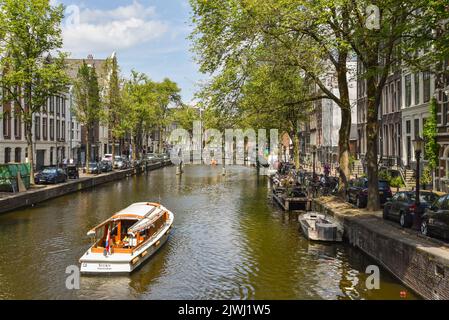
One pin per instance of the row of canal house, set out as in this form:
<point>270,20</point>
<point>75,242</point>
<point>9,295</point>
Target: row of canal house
<point>403,112</point>
<point>57,135</point>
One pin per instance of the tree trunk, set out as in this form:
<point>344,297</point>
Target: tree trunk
<point>372,131</point>
<point>29,138</point>
<point>133,147</point>
<point>87,150</point>
<point>296,151</point>
<point>345,128</point>
<point>161,139</point>
<point>113,151</point>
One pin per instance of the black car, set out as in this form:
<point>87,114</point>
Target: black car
<point>402,207</point>
<point>94,168</point>
<point>435,221</point>
<point>106,166</point>
<point>50,175</point>
<point>358,192</point>
<point>72,172</point>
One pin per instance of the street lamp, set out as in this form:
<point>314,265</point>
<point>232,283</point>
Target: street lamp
<point>418,145</point>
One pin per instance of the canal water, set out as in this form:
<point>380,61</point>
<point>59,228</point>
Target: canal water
<point>229,242</point>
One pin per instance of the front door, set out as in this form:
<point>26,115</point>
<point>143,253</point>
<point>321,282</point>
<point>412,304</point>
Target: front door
<point>40,159</point>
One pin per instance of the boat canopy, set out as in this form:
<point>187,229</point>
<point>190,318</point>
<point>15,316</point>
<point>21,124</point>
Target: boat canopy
<point>136,211</point>
<point>146,222</point>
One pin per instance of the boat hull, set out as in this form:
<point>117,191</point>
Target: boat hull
<point>315,229</point>
<point>94,263</point>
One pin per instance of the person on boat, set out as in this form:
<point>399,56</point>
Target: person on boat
<point>126,240</point>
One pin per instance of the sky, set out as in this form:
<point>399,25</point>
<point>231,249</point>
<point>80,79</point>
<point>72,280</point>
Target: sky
<point>149,36</point>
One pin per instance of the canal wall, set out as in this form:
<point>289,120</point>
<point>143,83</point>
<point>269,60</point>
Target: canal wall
<point>35,196</point>
<point>420,263</point>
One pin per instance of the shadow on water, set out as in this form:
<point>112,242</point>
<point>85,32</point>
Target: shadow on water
<point>229,242</point>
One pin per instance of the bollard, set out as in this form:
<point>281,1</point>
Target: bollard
<point>223,172</point>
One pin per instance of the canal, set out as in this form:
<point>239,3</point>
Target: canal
<point>229,242</point>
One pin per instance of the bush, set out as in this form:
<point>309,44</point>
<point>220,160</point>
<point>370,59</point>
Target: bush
<point>397,182</point>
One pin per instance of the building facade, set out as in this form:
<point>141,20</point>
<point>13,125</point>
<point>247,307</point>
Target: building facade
<point>55,133</point>
<point>326,116</point>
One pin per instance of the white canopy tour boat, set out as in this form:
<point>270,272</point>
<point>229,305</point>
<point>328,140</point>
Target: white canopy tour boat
<point>127,239</point>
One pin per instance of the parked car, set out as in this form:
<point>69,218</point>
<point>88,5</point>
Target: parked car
<point>106,166</point>
<point>151,158</point>
<point>107,157</point>
<point>358,192</point>
<point>94,167</point>
<point>120,163</point>
<point>435,221</point>
<point>72,172</point>
<point>402,207</point>
<point>51,175</point>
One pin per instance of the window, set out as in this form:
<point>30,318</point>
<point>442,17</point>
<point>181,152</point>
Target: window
<point>58,130</point>
<point>440,202</point>
<point>408,127</point>
<point>417,88</point>
<point>52,129</point>
<point>58,106</point>
<point>52,105</point>
<point>63,130</point>
<point>7,125</point>
<point>426,84</point>
<point>7,155</point>
<point>398,91</point>
<point>63,106</point>
<point>18,155</point>
<point>408,90</point>
<point>44,128</point>
<point>17,124</point>
<point>393,98</point>
<point>37,127</point>
<point>416,128</point>
<point>445,107</point>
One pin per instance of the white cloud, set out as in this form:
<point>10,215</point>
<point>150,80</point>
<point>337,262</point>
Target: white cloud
<point>95,30</point>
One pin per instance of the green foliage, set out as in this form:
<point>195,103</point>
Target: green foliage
<point>385,175</point>
<point>184,116</point>
<point>426,177</point>
<point>432,147</point>
<point>397,182</point>
<point>87,103</point>
<point>145,106</point>
<point>30,30</point>
<point>86,94</point>
<point>116,112</point>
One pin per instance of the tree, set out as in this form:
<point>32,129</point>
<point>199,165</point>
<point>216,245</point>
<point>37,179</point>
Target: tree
<point>185,116</point>
<point>166,93</point>
<point>116,113</point>
<point>87,103</point>
<point>139,100</point>
<point>300,35</point>
<point>30,76</point>
<point>432,147</point>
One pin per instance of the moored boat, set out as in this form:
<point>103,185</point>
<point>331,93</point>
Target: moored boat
<point>320,227</point>
<point>127,239</point>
